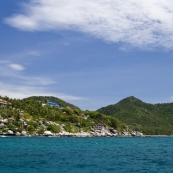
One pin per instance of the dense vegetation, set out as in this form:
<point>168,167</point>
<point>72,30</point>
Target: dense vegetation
<point>72,118</point>
<point>44,99</point>
<point>153,119</point>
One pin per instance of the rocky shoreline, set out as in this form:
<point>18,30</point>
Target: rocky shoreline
<point>93,133</point>
<point>50,128</point>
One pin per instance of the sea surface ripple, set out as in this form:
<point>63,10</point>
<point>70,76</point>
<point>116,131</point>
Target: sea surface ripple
<point>86,155</point>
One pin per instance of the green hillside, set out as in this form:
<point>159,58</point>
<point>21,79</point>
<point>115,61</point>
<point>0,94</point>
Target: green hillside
<point>150,118</point>
<point>34,109</point>
<point>44,99</point>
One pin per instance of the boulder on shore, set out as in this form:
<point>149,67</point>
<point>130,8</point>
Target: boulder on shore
<point>47,133</point>
<point>10,132</point>
<point>24,133</point>
<point>136,133</point>
<point>18,133</point>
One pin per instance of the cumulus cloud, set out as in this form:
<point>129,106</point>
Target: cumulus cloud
<point>140,23</point>
<point>17,67</point>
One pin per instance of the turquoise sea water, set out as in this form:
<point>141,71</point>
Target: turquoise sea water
<point>86,155</point>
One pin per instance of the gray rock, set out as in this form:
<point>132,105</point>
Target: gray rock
<point>24,133</point>
<point>10,132</point>
<point>136,133</point>
<point>18,134</point>
<point>112,130</point>
<point>139,134</point>
<point>5,121</point>
<point>1,125</point>
<point>82,134</point>
<point>47,133</point>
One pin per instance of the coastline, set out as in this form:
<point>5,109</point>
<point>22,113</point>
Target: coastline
<point>147,136</point>
<point>80,135</point>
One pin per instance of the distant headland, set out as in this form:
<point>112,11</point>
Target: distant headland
<point>51,116</point>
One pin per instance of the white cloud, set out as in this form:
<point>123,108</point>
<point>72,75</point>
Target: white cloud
<point>17,67</point>
<point>140,23</point>
<point>23,91</point>
<point>12,71</point>
<point>20,86</point>
<point>8,69</point>
<point>69,97</point>
<point>33,53</point>
<point>21,55</point>
<point>31,80</point>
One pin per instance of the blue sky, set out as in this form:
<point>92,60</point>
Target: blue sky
<point>90,54</point>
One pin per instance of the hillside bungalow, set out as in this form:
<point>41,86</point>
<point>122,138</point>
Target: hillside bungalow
<point>101,126</point>
<point>53,104</point>
<point>69,108</point>
<point>80,116</point>
<point>4,103</point>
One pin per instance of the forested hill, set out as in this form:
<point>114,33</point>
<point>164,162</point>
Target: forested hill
<point>150,118</point>
<point>44,99</point>
<point>42,113</point>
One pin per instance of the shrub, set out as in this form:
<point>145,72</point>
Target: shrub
<point>30,129</point>
<point>40,130</point>
<point>53,128</point>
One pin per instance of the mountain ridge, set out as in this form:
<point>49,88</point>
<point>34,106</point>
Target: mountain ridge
<point>35,116</point>
<point>129,113</point>
<point>150,118</point>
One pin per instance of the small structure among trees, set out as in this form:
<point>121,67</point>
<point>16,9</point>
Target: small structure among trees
<point>101,126</point>
<point>4,103</point>
<point>52,104</point>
